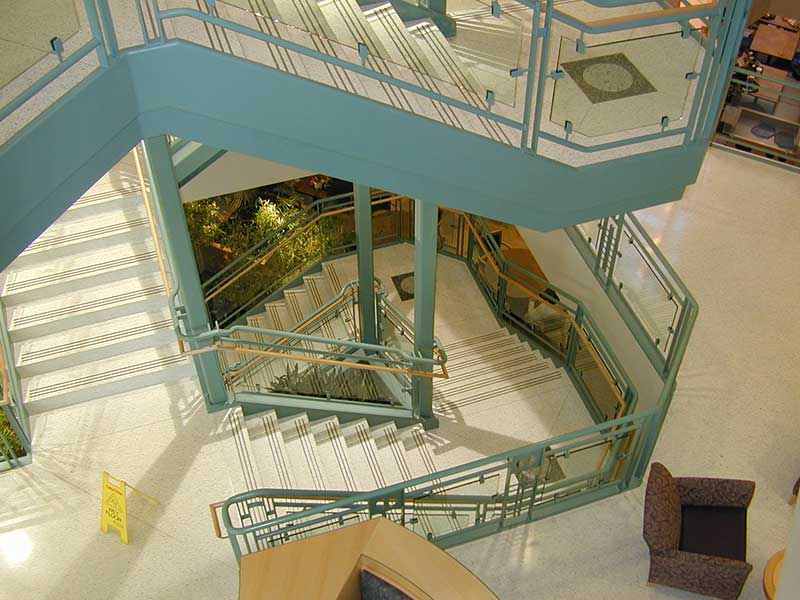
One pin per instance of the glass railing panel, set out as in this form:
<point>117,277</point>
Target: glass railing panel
<point>312,32</point>
<point>26,29</point>
<point>539,314</point>
<point>609,87</point>
<point>490,46</point>
<point>646,291</point>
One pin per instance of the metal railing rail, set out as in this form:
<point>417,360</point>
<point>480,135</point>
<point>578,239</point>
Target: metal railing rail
<point>261,252</point>
<point>722,18</point>
<point>584,332</point>
<point>345,300</point>
<point>527,495</point>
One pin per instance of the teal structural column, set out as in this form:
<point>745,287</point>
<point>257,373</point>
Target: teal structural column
<point>180,257</point>
<point>426,217</point>
<point>366,267</point>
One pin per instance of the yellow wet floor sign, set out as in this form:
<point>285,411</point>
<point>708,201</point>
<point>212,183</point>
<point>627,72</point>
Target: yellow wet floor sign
<point>114,505</point>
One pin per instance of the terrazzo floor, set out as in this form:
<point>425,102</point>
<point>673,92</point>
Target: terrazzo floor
<point>735,413</point>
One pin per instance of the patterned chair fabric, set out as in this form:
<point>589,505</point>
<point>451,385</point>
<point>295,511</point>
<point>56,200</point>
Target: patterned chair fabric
<point>700,573</point>
<point>662,510</point>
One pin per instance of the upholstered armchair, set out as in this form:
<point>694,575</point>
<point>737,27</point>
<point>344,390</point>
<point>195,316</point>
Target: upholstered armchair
<point>696,529</point>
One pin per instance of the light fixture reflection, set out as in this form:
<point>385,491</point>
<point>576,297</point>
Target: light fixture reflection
<point>15,547</point>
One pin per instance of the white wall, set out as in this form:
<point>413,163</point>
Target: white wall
<point>563,266</point>
<point>233,172</point>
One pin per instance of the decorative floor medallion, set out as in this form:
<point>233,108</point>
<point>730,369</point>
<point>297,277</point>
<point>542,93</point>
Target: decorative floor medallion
<point>405,285</point>
<point>605,78</point>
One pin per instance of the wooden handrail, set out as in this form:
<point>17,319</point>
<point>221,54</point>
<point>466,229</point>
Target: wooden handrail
<point>325,361</point>
<point>162,267</point>
<point>262,259</point>
<point>566,314</point>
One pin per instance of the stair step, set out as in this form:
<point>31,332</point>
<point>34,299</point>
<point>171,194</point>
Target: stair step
<point>334,280</point>
<point>269,451</point>
<point>364,455</point>
<point>126,224</point>
<point>400,45</point>
<point>95,204</point>
<point>280,316</point>
<point>237,448</point>
<point>301,450</point>
<point>477,340</point>
<point>504,384</point>
<point>298,304</point>
<point>104,378</point>
<point>86,307</point>
<point>333,455</point>
<point>75,272</point>
<point>386,452</point>
<point>318,289</point>
<point>103,340</point>
<point>349,25</point>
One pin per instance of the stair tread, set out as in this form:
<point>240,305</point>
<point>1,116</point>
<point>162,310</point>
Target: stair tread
<point>76,267</point>
<point>269,450</point>
<point>95,373</point>
<point>70,232</point>
<point>364,455</point>
<point>101,200</point>
<point>114,331</point>
<point>446,63</point>
<point>333,455</point>
<point>301,451</point>
<point>87,300</point>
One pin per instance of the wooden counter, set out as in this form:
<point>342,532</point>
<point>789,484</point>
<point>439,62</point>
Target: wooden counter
<point>328,566</point>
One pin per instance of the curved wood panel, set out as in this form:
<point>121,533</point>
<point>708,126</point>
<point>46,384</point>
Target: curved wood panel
<point>328,566</point>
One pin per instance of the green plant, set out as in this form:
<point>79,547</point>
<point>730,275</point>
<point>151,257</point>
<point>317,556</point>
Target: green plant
<point>11,437</point>
<point>225,227</point>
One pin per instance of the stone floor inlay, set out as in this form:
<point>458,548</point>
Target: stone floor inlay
<point>605,78</point>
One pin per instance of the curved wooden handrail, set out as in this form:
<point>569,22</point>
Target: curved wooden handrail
<point>492,262</point>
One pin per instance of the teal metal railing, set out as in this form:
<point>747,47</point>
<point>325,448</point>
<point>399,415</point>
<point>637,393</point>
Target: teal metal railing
<point>649,295</point>
<point>323,229</point>
<point>460,504</point>
<point>554,318</point>
<point>692,80</point>
<point>15,438</point>
<point>320,359</point>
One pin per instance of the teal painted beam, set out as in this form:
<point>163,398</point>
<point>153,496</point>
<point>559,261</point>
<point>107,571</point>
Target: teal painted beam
<point>366,266</point>
<point>163,89</point>
<point>426,229</point>
<point>193,159</point>
<point>62,153</point>
<point>306,124</point>
<point>174,234</point>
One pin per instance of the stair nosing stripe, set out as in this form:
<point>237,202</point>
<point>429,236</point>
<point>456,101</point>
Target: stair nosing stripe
<point>28,357</point>
<point>80,307</point>
<point>75,274</point>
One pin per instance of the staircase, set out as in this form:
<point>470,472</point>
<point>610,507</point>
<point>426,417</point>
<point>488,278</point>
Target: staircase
<point>296,453</point>
<point>85,303</point>
<point>309,379</point>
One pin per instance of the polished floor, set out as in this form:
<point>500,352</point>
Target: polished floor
<point>735,414</point>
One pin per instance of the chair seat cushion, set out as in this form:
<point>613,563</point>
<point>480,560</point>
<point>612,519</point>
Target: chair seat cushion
<point>714,530</point>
